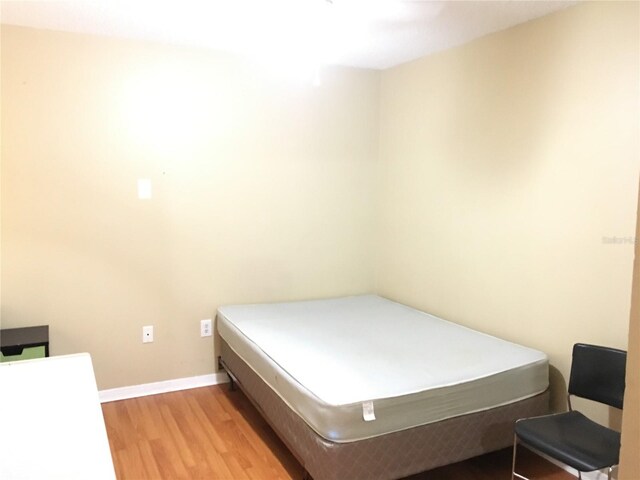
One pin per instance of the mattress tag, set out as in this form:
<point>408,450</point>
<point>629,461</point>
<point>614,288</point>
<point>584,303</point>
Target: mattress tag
<point>367,411</point>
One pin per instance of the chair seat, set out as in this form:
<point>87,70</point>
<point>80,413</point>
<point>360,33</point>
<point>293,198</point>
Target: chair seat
<point>573,439</point>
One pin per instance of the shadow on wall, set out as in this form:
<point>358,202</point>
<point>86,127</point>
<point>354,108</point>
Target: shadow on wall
<point>558,386</point>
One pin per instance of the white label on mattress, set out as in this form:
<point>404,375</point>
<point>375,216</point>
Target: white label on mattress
<point>367,411</point>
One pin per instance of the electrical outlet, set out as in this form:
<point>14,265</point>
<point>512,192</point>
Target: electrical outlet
<point>147,334</point>
<point>205,327</point>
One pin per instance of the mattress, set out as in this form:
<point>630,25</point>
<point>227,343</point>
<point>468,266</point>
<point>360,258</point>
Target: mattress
<point>358,367</point>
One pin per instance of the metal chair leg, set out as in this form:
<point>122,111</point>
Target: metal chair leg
<point>513,463</point>
<point>515,475</point>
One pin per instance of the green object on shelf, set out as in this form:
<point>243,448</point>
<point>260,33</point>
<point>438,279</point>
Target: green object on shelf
<point>27,354</point>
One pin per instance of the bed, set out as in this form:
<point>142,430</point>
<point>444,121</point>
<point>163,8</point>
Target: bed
<point>365,388</point>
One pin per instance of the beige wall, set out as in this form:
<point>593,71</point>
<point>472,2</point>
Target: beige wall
<point>262,191</point>
<point>507,161</point>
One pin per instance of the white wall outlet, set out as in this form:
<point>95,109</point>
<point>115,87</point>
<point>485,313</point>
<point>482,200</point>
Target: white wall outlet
<point>205,328</point>
<point>147,334</point>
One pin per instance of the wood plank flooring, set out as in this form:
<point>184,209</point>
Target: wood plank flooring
<point>214,433</point>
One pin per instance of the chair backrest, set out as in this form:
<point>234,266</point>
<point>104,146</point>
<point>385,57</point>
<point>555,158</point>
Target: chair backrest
<point>598,374</point>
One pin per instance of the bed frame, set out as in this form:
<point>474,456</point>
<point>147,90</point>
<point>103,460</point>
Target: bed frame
<point>389,456</point>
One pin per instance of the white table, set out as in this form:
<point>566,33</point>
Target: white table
<point>51,423</point>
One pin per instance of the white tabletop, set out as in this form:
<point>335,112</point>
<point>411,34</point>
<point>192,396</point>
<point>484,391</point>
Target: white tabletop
<point>51,422</point>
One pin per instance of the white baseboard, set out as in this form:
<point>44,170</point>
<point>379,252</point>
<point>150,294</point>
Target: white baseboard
<point>122,393</point>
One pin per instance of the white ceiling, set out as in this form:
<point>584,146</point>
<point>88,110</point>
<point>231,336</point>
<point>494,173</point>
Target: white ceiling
<point>361,33</point>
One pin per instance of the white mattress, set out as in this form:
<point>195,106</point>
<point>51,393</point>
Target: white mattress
<point>331,360</point>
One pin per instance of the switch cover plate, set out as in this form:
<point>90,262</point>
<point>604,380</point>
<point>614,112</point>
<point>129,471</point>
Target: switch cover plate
<point>147,334</point>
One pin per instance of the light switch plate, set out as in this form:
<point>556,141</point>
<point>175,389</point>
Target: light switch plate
<point>147,334</point>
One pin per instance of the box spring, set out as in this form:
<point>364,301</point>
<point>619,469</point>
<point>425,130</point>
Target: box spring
<point>390,456</point>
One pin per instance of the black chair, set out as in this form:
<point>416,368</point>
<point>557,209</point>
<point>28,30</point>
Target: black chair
<point>598,374</point>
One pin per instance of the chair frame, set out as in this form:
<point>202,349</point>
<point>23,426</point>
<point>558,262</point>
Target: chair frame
<point>515,475</point>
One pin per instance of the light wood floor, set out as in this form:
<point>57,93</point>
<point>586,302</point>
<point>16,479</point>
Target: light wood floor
<point>215,433</point>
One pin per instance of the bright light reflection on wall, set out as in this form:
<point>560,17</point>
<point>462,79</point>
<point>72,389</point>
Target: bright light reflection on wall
<point>165,110</point>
